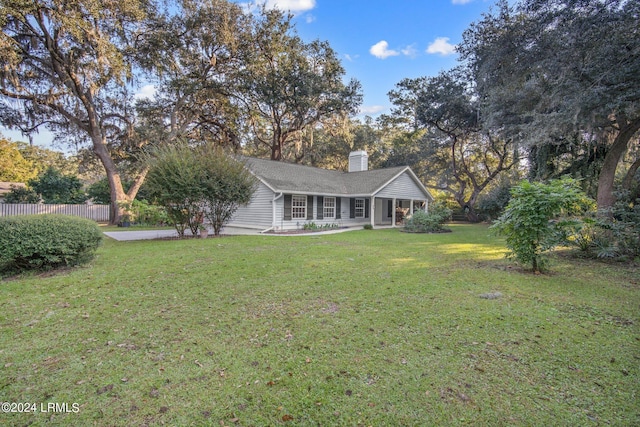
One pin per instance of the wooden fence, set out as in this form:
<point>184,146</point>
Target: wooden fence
<point>99,213</point>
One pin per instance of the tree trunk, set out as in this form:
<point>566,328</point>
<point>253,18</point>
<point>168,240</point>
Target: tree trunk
<point>606,180</point>
<point>276,152</point>
<point>472,215</point>
<point>631,173</point>
<point>135,187</point>
<point>470,207</point>
<point>276,144</point>
<point>113,176</point>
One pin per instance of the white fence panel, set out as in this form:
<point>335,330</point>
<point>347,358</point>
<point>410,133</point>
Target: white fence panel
<point>99,213</point>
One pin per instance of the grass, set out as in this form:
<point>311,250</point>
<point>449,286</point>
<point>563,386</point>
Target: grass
<point>360,328</point>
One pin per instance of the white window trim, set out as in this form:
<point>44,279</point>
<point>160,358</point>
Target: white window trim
<point>299,210</point>
<point>361,208</point>
<point>331,208</point>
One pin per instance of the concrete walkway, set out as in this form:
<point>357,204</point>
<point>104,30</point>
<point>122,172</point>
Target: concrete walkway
<point>128,235</point>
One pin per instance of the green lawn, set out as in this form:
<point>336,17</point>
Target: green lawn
<point>359,328</point>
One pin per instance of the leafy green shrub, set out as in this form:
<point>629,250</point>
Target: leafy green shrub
<point>56,188</point>
<point>46,241</point>
<point>312,226</point>
<point>173,180</point>
<point>428,222</point>
<point>626,228</point>
<point>192,183</point>
<point>537,218</point>
<point>492,203</point>
<point>143,213</point>
<point>616,234</point>
<point>21,195</point>
<point>368,227</point>
<point>621,227</point>
<point>583,235</point>
<point>225,182</point>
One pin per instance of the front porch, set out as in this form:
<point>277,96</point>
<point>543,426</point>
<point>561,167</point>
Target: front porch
<point>391,212</point>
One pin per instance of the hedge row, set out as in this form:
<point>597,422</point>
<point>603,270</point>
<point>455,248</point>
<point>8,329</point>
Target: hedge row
<point>41,242</point>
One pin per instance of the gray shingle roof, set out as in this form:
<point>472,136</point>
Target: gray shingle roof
<point>293,178</point>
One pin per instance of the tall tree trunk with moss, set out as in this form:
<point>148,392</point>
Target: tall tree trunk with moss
<point>68,67</point>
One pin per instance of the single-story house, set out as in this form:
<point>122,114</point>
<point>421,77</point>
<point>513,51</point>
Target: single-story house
<point>288,195</point>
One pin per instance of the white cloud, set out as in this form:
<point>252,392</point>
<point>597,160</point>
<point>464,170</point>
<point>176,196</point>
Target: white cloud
<point>310,18</point>
<point>369,110</point>
<point>381,50</point>
<point>461,1</point>
<point>410,51</point>
<point>293,6</point>
<point>146,92</point>
<point>442,47</point>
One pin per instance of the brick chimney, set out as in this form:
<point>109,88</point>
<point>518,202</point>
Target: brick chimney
<point>358,161</point>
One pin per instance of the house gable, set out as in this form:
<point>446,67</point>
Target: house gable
<point>406,186</point>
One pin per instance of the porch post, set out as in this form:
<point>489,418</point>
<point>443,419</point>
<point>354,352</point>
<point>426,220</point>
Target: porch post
<point>393,213</point>
<point>372,211</point>
<point>411,207</point>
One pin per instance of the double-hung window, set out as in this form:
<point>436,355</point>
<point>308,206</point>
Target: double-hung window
<point>299,207</point>
<point>329,207</point>
<point>359,208</point>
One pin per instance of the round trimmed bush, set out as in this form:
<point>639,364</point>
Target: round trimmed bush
<point>41,242</point>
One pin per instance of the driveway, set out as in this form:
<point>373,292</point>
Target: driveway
<point>127,235</point>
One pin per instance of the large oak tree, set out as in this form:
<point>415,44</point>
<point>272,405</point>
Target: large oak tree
<point>547,70</point>
<point>68,65</point>
<point>456,147</point>
<point>192,57</point>
<point>289,85</point>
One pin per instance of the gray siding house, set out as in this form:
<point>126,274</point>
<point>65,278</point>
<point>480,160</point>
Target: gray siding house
<point>288,195</point>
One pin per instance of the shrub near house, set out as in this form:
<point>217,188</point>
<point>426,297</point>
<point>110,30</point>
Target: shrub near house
<point>431,222</point>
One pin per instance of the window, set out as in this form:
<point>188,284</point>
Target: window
<point>359,208</point>
<point>299,207</point>
<point>329,207</point>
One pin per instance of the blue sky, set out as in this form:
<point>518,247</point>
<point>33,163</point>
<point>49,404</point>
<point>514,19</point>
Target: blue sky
<point>380,42</point>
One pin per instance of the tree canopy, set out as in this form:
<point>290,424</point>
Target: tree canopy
<point>548,70</point>
<point>13,166</point>
<point>466,155</point>
<point>289,85</point>
<point>219,74</point>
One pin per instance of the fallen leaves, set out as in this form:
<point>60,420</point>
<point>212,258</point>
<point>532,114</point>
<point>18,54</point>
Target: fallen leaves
<point>104,389</point>
<point>452,395</point>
